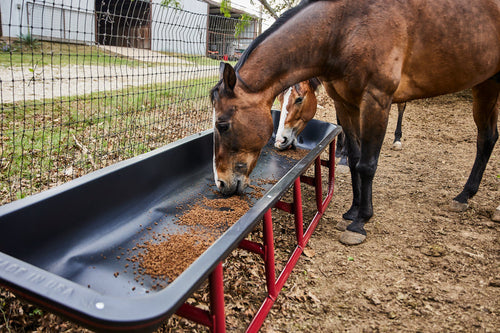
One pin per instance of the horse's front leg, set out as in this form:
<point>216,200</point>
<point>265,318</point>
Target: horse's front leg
<point>373,115</point>
<point>348,118</point>
<point>485,110</point>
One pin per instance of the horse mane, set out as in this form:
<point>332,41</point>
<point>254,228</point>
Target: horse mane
<point>275,26</point>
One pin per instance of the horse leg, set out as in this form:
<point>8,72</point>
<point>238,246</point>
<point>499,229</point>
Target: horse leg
<point>347,117</point>
<point>485,111</point>
<point>340,143</point>
<point>343,155</point>
<point>374,116</point>
<point>396,145</point>
<point>341,149</point>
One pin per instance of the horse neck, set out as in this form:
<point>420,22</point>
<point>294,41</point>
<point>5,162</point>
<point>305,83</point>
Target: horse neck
<point>294,52</point>
<point>266,73</point>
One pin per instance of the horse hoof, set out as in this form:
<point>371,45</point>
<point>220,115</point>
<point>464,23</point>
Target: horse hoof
<point>342,225</point>
<point>397,145</point>
<point>496,215</point>
<point>342,169</point>
<point>351,238</point>
<point>458,207</point>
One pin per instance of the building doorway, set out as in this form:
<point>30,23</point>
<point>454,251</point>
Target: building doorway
<point>125,23</point>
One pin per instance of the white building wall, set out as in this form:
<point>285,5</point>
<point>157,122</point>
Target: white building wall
<point>12,17</point>
<point>254,9</point>
<point>179,31</point>
<point>71,20</point>
<point>74,20</point>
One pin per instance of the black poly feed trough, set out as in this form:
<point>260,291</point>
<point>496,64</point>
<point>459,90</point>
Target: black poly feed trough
<point>60,248</point>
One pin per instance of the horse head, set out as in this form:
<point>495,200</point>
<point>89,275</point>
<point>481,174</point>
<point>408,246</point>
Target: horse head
<point>242,126</point>
<point>298,107</point>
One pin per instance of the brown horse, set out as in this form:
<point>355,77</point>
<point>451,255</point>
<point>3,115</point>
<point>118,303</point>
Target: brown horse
<point>299,105</point>
<point>368,54</point>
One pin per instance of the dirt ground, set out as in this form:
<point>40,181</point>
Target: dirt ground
<point>423,268</point>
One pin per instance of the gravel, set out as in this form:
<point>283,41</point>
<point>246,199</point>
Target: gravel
<point>26,83</point>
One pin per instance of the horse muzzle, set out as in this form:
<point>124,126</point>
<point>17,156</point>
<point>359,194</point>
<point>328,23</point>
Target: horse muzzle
<point>236,185</point>
<point>285,143</point>
<point>286,140</point>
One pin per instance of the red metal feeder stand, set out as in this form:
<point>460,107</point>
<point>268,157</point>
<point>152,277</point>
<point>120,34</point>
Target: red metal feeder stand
<point>215,318</point>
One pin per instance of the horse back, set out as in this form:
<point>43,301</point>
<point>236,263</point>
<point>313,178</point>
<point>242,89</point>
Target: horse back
<point>451,45</point>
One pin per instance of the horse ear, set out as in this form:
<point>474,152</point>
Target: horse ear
<point>228,76</point>
<point>314,83</point>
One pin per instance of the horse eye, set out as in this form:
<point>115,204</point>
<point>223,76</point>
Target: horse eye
<point>222,126</point>
<point>299,100</point>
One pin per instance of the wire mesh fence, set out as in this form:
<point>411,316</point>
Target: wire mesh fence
<point>85,84</point>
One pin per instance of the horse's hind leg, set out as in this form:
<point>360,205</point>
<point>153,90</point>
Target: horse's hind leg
<point>396,144</point>
<point>485,110</point>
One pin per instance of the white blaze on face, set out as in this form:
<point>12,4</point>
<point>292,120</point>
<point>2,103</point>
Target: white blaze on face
<point>216,178</point>
<point>284,113</point>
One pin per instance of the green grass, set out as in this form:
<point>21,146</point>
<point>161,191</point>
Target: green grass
<point>17,54</point>
<point>205,61</point>
<point>62,59</point>
<point>59,55</point>
<point>46,142</point>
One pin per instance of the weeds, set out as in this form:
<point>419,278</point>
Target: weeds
<point>5,317</point>
<point>36,312</point>
<point>44,143</point>
<point>58,54</point>
<point>27,40</point>
<point>62,54</point>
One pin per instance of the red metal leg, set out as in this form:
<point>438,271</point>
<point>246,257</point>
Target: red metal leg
<point>331,176</point>
<point>331,166</point>
<point>269,254</point>
<point>318,187</point>
<point>297,211</point>
<point>191,312</point>
<point>215,319</point>
<point>284,206</point>
<point>252,247</point>
<point>216,280</point>
<point>272,291</point>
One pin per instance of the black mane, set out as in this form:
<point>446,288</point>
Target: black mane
<point>278,23</point>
